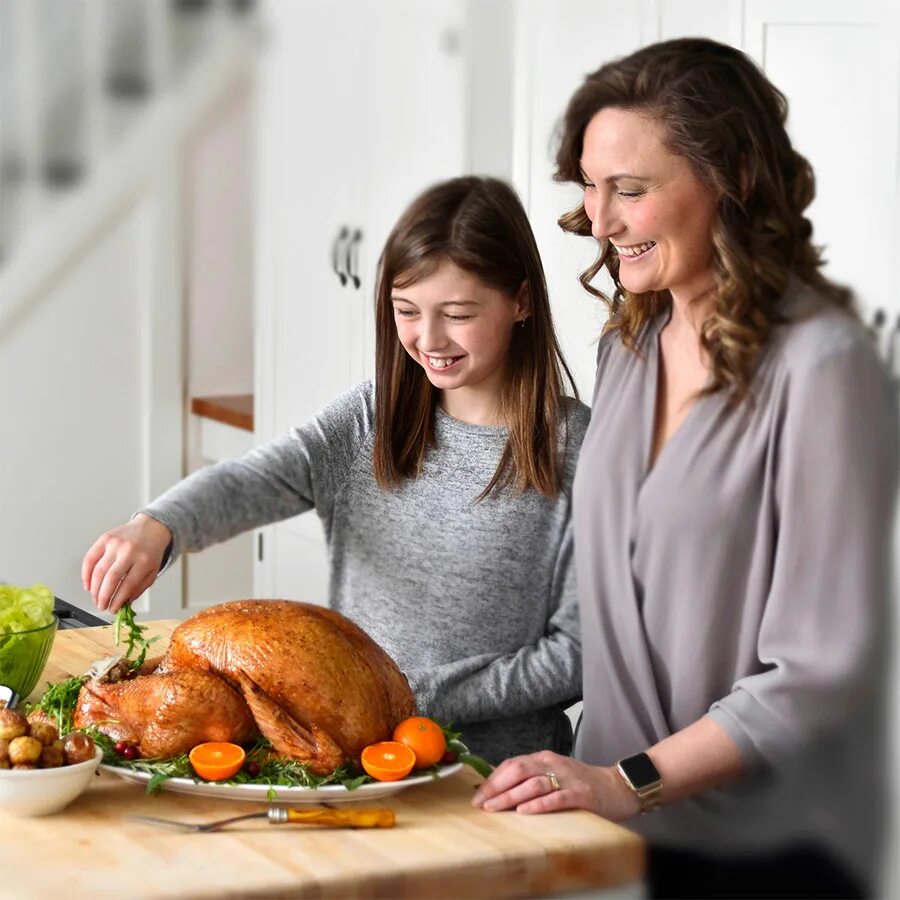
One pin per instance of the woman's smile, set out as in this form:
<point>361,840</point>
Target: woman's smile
<point>635,251</point>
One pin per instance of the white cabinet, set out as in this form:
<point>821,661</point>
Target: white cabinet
<point>360,107</point>
<point>836,62</point>
<point>839,66</point>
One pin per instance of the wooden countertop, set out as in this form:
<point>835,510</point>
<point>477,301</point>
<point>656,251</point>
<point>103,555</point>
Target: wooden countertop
<point>440,847</point>
<point>230,409</point>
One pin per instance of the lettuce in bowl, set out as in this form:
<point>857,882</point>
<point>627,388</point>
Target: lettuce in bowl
<point>27,628</point>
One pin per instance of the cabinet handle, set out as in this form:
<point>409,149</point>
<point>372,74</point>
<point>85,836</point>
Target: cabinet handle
<point>353,258</point>
<point>342,236</point>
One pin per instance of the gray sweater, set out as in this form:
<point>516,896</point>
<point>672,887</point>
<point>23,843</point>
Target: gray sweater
<point>475,602</point>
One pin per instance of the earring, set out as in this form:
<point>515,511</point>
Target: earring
<point>522,322</point>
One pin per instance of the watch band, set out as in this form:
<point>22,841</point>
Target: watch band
<point>643,780</point>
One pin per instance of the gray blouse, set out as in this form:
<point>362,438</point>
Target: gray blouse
<point>746,576</point>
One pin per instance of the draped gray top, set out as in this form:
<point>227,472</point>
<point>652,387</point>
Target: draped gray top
<point>745,576</point>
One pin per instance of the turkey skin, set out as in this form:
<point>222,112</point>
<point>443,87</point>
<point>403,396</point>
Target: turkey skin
<point>307,678</point>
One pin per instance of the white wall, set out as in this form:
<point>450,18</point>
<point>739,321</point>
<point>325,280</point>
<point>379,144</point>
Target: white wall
<point>75,378</point>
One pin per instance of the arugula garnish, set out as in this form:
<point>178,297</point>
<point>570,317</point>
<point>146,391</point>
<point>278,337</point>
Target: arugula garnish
<point>58,702</point>
<point>461,751</point>
<point>135,636</point>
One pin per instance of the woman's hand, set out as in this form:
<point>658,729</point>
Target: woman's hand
<point>124,562</point>
<point>523,783</point>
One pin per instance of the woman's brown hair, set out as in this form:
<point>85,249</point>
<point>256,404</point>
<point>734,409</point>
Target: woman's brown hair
<point>720,112</point>
<point>478,225</point>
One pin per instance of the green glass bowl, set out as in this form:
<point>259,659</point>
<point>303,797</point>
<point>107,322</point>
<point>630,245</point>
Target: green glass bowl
<point>23,655</point>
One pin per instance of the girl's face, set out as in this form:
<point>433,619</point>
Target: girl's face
<point>649,204</point>
<point>459,330</point>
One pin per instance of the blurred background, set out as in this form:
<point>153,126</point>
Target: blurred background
<point>194,194</point>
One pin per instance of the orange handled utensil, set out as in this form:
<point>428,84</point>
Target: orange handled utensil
<point>336,818</point>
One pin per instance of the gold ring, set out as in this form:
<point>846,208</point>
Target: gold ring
<point>554,781</point>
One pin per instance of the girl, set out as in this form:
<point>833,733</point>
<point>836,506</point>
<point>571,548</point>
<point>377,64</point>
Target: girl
<point>443,489</point>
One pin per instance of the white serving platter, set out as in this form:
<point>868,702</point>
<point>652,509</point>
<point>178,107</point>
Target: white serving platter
<point>259,793</point>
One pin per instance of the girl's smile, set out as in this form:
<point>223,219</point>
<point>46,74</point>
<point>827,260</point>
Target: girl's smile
<point>458,328</point>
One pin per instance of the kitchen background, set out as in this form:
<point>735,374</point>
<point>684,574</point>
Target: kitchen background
<point>193,196</point>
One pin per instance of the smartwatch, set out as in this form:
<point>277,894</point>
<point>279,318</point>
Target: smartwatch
<point>643,779</point>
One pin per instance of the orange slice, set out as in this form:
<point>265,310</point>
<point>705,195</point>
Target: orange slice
<point>217,760</point>
<point>388,760</point>
<point>424,737</point>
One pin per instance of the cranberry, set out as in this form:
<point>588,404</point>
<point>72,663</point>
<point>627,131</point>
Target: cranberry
<point>448,758</point>
<point>120,747</point>
<point>252,768</point>
<point>129,752</point>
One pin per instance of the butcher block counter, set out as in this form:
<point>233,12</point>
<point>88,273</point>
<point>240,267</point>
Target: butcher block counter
<point>440,847</point>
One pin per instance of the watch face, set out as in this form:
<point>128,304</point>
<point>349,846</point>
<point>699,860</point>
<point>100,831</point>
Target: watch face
<point>639,770</point>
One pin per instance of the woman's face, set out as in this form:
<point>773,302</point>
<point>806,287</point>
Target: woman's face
<point>649,204</point>
<point>458,328</point>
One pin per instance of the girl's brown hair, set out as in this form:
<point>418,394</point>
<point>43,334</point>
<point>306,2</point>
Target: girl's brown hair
<point>478,225</point>
<point>721,113</point>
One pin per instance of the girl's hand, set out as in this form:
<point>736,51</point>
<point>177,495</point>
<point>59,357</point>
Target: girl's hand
<point>523,783</point>
<point>124,562</point>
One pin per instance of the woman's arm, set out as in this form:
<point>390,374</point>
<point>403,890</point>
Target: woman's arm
<point>696,759</point>
<point>820,638</point>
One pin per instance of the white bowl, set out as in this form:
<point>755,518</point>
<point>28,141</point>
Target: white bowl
<point>39,792</point>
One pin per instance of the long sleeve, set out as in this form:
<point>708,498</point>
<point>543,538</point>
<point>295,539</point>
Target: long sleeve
<point>296,472</point>
<point>540,675</point>
<point>821,634</point>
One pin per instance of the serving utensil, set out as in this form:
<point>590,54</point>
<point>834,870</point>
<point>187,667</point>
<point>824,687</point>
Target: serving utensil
<point>338,818</point>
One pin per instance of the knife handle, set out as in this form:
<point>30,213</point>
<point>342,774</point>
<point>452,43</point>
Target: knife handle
<point>343,818</point>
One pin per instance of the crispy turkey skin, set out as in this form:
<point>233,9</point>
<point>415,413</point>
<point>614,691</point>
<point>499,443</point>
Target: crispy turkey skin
<point>310,680</point>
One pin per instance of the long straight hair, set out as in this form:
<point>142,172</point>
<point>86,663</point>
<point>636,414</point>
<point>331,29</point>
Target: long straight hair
<point>479,225</point>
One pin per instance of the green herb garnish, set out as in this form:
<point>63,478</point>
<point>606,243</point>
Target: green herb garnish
<point>135,636</point>
<point>461,751</point>
<point>58,702</point>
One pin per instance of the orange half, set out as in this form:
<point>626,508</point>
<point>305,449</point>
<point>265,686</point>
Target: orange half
<point>388,760</point>
<point>217,760</point>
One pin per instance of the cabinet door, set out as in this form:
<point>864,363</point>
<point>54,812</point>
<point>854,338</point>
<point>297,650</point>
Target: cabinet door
<point>416,102</point>
<point>361,106</point>
<point>310,187</point>
<point>558,44</point>
<point>839,66</point>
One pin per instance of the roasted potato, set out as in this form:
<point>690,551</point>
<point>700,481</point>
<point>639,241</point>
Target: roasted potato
<point>43,731</point>
<point>77,747</point>
<point>12,724</point>
<point>4,750</point>
<point>24,767</point>
<point>52,755</point>
<point>24,751</point>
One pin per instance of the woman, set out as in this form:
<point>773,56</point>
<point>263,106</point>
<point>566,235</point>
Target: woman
<point>733,502</point>
<point>444,489</point>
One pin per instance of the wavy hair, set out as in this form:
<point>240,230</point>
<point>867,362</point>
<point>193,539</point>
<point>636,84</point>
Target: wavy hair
<point>721,113</point>
<point>479,225</point>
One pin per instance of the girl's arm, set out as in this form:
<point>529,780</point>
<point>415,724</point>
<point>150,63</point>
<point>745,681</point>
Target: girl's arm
<point>290,475</point>
<point>486,687</point>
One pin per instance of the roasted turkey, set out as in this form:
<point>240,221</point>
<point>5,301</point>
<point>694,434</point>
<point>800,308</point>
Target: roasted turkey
<point>308,679</point>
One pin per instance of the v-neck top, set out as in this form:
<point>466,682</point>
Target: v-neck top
<point>745,576</point>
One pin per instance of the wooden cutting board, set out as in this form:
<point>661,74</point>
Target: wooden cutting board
<point>440,847</point>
